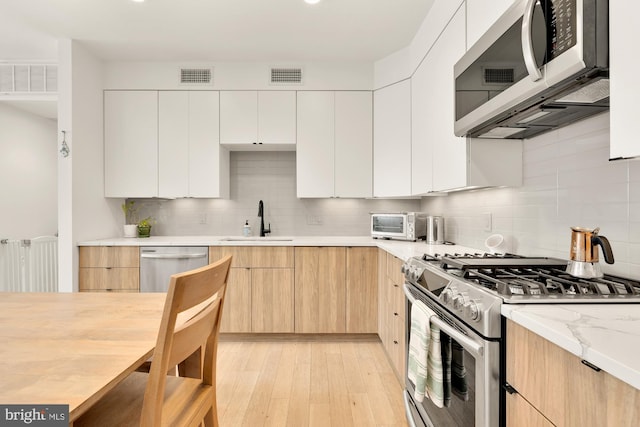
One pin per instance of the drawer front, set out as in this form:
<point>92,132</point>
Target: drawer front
<point>241,255</point>
<point>110,279</point>
<point>394,264</point>
<point>272,257</point>
<point>109,256</point>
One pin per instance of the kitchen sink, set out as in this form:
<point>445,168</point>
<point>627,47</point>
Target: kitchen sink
<point>256,239</point>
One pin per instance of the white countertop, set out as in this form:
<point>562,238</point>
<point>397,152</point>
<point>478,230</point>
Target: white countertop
<point>403,250</point>
<point>606,335</point>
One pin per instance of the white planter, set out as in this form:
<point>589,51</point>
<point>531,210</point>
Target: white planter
<point>130,230</point>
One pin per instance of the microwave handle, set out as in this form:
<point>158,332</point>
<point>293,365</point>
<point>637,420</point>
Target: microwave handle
<point>468,344</point>
<point>527,42</point>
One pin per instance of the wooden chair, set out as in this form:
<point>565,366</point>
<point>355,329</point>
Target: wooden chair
<point>154,398</point>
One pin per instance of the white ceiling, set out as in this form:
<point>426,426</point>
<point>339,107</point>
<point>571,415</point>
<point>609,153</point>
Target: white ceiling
<point>215,30</point>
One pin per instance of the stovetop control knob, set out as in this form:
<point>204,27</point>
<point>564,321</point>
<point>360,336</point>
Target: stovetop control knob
<point>404,268</point>
<point>447,296</point>
<point>459,302</point>
<point>472,310</point>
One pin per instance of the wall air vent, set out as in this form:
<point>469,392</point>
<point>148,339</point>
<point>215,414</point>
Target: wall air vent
<point>498,76</point>
<point>286,76</point>
<point>28,78</point>
<point>196,76</point>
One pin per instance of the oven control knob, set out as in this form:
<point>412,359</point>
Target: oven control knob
<point>447,296</point>
<point>404,269</point>
<point>459,302</point>
<point>472,310</point>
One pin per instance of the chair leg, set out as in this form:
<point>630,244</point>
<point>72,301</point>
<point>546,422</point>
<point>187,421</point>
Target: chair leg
<point>211,419</point>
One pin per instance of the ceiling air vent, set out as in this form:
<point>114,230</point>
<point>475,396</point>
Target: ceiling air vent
<point>196,76</point>
<point>286,76</point>
<point>28,78</point>
<point>498,76</point>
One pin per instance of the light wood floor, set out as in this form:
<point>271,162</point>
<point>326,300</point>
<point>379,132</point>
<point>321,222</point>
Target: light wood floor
<point>307,383</point>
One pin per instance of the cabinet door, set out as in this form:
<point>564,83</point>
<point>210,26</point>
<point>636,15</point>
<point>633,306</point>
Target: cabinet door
<point>277,117</point>
<point>236,313</point>
<point>109,256</point>
<point>272,257</point>
<point>208,161</point>
<point>241,255</point>
<point>131,143</point>
<point>239,117</point>
<point>623,29</point>
<point>449,152</point>
<point>362,290</point>
<point>315,148</point>
<point>480,17</point>
<point>272,300</point>
<point>353,144</point>
<point>392,140</point>
<point>99,279</point>
<point>173,144</point>
<point>320,291</point>
<point>423,104</point>
<point>521,413</point>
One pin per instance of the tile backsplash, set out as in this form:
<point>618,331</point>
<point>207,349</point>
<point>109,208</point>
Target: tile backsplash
<point>271,177</point>
<point>568,181</point>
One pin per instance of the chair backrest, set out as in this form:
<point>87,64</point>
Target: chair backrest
<point>197,295</point>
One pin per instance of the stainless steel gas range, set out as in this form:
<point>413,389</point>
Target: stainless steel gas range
<point>466,292</point>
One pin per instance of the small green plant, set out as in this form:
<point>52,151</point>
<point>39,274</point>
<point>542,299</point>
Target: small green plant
<point>130,212</point>
<point>146,222</point>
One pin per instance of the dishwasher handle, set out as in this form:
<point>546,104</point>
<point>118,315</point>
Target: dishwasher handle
<point>172,256</point>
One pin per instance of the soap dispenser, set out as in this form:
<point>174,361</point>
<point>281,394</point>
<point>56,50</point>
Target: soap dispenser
<point>246,229</point>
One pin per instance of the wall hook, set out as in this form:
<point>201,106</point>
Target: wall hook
<point>64,149</point>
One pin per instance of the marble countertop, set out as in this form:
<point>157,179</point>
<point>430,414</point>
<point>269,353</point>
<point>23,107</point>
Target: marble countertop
<point>403,250</point>
<point>606,335</point>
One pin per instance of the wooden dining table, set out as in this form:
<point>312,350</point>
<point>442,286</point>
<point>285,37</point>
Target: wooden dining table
<point>72,348</point>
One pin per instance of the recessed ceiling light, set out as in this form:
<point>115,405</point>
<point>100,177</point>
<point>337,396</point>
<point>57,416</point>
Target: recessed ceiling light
<point>312,1</point>
<point>138,1</point>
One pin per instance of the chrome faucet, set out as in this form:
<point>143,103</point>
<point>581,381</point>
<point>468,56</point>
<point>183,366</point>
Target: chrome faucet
<point>263,231</point>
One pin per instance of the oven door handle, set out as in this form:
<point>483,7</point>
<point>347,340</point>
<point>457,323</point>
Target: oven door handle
<point>467,343</point>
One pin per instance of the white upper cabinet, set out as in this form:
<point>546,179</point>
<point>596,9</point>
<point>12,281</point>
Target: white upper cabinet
<point>131,143</point>
<point>623,33</point>
<point>392,140</point>
<point>424,108</point>
<point>481,14</point>
<point>258,118</point>
<point>164,144</point>
<point>353,144</point>
<point>191,161</point>
<point>315,151</point>
<point>334,148</point>
<point>440,160</point>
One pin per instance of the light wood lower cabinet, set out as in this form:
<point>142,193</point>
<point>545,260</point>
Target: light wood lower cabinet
<point>392,310</point>
<point>320,289</point>
<point>362,290</point>
<point>561,388</point>
<point>109,269</point>
<point>260,288</point>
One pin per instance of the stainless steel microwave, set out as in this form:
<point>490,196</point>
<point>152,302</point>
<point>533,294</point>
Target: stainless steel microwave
<point>410,226</point>
<point>542,65</point>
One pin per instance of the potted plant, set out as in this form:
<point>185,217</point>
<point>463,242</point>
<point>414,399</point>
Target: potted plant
<point>130,213</point>
<point>144,227</point>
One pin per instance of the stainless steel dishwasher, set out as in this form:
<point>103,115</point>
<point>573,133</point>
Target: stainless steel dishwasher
<point>158,263</point>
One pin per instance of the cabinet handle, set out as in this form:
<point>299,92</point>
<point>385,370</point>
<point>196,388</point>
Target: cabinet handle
<point>591,365</point>
<point>509,388</point>
<point>395,314</point>
<point>107,268</point>
<point>109,290</point>
<point>395,342</point>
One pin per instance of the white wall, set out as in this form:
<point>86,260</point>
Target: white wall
<point>568,181</point>
<point>28,174</point>
<point>241,75</point>
<point>84,213</point>
<point>271,177</point>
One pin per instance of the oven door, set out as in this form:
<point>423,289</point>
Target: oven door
<point>475,374</point>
